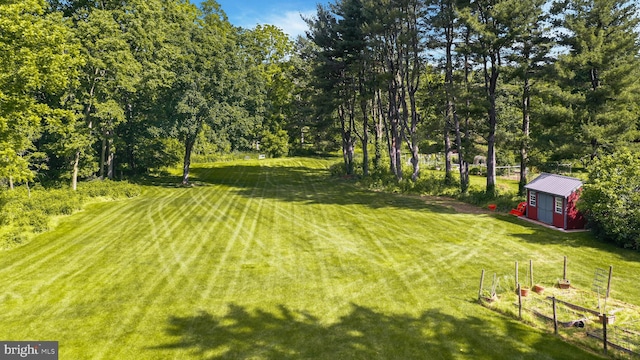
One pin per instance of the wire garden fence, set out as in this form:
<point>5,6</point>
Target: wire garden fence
<point>589,317</point>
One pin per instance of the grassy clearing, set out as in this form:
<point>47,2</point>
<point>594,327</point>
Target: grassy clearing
<point>272,259</point>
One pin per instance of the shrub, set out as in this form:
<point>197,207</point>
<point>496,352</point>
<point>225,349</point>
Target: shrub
<point>10,236</point>
<point>108,189</point>
<point>37,221</point>
<point>275,144</point>
<point>610,199</point>
<point>54,202</point>
<point>23,212</point>
<point>503,199</point>
<point>338,169</point>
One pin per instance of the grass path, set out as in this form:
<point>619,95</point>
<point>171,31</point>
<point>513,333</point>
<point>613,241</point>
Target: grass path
<point>274,260</point>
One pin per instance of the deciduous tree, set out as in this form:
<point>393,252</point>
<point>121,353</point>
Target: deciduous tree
<point>38,60</point>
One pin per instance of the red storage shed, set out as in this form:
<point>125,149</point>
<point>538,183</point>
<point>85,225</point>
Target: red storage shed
<point>551,199</point>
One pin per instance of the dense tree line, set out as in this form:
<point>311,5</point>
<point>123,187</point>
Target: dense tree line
<point>520,81</point>
<point>99,88</point>
<point>93,88</point>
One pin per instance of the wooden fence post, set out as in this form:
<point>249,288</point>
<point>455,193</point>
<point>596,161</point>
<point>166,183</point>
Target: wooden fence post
<point>555,316</point>
<point>564,273</point>
<point>517,281</point>
<point>519,303</point>
<point>609,282</point>
<point>604,332</point>
<point>481,284</point>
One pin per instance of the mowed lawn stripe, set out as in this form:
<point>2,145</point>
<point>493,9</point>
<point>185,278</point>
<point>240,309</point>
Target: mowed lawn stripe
<point>174,272</point>
<point>142,272</point>
<point>37,253</point>
<point>199,215</point>
<point>203,215</point>
<point>242,237</point>
<point>269,259</point>
<point>59,260</point>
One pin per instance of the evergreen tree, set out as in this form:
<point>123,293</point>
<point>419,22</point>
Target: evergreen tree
<point>494,25</point>
<point>529,57</point>
<point>447,31</point>
<point>338,51</point>
<point>601,71</point>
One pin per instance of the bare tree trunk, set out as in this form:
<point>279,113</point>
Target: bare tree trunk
<point>491,149</point>
<point>348,149</point>
<point>463,166</point>
<point>447,153</point>
<point>526,101</point>
<point>415,148</point>
<point>10,182</point>
<point>110,159</point>
<point>394,127</point>
<point>103,152</point>
<point>491,155</point>
<point>379,116</point>
<point>395,135</point>
<point>595,84</point>
<point>187,161</point>
<point>464,169</point>
<point>412,137</point>
<point>491,81</point>
<point>404,118</point>
<point>74,176</point>
<point>389,137</point>
<point>413,82</point>
<point>365,137</point>
<point>410,119</point>
<point>451,115</point>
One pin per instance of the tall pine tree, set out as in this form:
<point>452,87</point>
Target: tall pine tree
<point>601,69</point>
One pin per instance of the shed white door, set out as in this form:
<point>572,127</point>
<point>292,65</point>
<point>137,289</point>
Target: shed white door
<point>545,208</point>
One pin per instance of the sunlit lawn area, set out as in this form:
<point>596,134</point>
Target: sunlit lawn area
<point>273,259</point>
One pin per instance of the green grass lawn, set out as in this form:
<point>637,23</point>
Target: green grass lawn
<point>273,259</point>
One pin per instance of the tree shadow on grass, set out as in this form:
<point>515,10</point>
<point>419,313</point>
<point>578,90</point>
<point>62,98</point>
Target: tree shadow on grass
<point>298,184</point>
<point>163,179</point>
<point>543,235</point>
<point>362,334</point>
<point>305,185</point>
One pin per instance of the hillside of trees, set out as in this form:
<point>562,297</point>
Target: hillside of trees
<point>106,89</point>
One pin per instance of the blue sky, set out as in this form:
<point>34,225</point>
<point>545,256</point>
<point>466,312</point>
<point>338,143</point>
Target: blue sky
<point>284,14</point>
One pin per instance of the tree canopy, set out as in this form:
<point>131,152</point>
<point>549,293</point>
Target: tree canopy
<point>100,89</point>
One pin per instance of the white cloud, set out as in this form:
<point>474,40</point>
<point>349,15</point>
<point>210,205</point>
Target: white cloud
<point>290,22</point>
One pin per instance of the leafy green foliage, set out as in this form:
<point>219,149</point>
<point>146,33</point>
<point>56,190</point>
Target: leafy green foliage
<point>275,144</point>
<point>611,198</point>
<point>434,183</point>
<point>38,61</point>
<point>103,88</point>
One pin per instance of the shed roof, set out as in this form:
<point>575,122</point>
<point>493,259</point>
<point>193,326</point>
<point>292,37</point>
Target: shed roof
<point>554,184</point>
